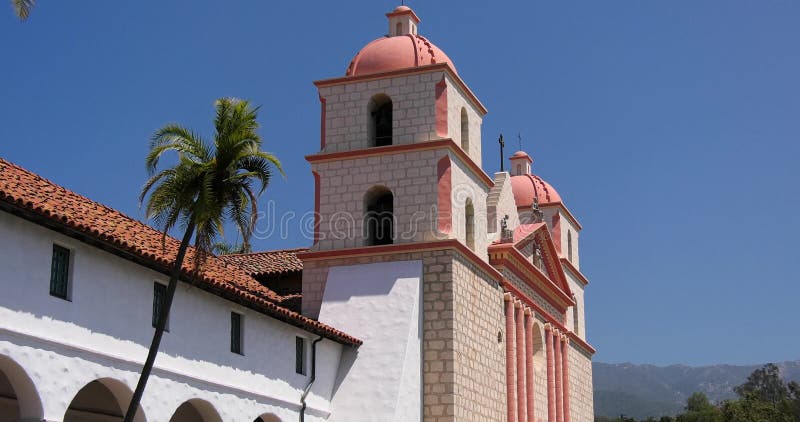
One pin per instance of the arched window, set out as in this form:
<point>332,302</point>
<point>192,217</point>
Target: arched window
<point>575,320</point>
<point>464,130</point>
<point>379,216</point>
<point>469,221</point>
<point>569,245</point>
<point>398,29</point>
<point>380,121</point>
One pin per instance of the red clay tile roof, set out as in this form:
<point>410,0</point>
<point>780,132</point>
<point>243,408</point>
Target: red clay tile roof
<point>27,194</point>
<point>267,262</point>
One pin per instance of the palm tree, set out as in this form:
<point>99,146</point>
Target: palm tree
<point>208,184</point>
<point>22,8</point>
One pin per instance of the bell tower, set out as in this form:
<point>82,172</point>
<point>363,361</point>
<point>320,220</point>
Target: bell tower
<point>400,148</point>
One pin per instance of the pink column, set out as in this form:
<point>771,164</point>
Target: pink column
<point>511,354</point>
<point>551,378</point>
<point>559,380</point>
<point>565,368</point>
<point>529,382</point>
<point>522,397</point>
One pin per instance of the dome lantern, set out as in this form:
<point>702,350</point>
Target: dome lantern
<point>402,21</point>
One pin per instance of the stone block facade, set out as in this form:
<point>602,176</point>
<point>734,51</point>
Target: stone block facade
<point>580,384</point>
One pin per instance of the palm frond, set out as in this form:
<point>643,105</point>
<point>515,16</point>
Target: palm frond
<point>22,8</point>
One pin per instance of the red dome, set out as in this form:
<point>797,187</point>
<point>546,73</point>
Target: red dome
<point>527,186</point>
<point>521,154</point>
<point>395,53</point>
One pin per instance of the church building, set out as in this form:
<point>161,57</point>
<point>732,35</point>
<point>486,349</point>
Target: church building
<point>430,291</point>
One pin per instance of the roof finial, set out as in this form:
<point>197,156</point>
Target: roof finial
<point>519,138</point>
<point>502,145</point>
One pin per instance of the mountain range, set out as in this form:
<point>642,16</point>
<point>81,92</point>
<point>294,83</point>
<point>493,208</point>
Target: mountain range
<point>640,391</point>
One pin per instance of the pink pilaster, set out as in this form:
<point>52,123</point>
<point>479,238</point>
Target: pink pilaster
<point>522,397</point>
<point>529,382</point>
<point>559,380</point>
<point>511,355</point>
<point>565,377</point>
<point>551,376</point>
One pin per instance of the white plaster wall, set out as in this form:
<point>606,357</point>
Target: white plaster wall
<point>105,329</point>
<point>456,100</point>
<point>379,303</point>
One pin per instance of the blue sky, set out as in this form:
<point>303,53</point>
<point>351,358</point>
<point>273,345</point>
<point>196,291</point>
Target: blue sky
<point>670,128</point>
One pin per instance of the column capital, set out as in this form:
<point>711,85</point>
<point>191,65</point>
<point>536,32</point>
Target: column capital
<point>548,326</point>
<point>507,297</point>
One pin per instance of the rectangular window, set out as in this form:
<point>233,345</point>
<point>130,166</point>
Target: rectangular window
<point>300,355</point>
<point>59,273</point>
<point>159,303</point>
<point>236,333</point>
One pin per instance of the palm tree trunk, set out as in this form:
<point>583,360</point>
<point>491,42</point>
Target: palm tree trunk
<point>162,323</point>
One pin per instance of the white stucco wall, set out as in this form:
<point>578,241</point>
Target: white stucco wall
<point>104,332</point>
<point>379,303</point>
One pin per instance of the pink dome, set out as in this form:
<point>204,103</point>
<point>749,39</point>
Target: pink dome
<point>521,154</point>
<point>527,186</point>
<point>395,53</point>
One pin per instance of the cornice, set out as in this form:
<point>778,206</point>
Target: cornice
<point>446,143</point>
<point>578,274</point>
<point>436,67</point>
<point>511,258</point>
<point>436,245</point>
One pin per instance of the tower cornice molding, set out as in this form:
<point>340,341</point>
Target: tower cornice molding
<point>446,143</point>
<point>430,68</point>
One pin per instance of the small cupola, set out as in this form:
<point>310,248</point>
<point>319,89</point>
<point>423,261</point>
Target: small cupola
<point>402,21</point>
<point>520,163</point>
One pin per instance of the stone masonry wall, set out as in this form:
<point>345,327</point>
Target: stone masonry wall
<point>466,185</point>
<point>413,110</point>
<point>480,358</point>
<point>410,176</point>
<point>463,363</point>
<point>580,385</point>
<point>456,100</point>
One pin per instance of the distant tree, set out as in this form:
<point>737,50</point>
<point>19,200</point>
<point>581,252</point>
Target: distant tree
<point>700,409</point>
<point>752,409</point>
<point>666,419</point>
<point>22,8</point>
<point>765,384</point>
<point>793,402</point>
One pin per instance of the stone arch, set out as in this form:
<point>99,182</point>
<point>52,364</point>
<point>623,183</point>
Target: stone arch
<point>464,130</point>
<point>104,397</point>
<point>20,399</point>
<point>196,410</point>
<point>268,417</point>
<point>379,116</point>
<point>539,358</point>
<point>378,216</point>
